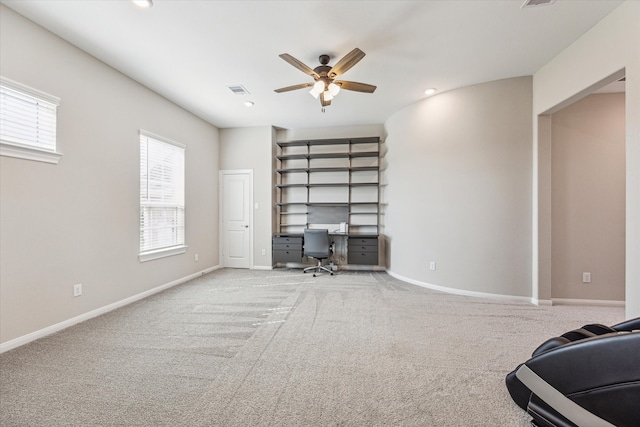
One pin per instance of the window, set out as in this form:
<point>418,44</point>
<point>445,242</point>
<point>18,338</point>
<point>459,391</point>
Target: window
<point>161,197</point>
<point>27,122</point>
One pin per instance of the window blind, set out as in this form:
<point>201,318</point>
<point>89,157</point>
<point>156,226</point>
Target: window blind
<point>162,216</point>
<point>27,116</point>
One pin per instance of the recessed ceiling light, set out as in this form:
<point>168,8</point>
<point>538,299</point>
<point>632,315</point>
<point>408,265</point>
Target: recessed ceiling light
<point>430,91</point>
<point>143,3</point>
<point>248,104</point>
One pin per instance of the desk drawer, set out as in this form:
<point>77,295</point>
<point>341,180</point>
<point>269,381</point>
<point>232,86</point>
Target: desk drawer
<point>363,241</point>
<point>287,246</point>
<point>287,256</point>
<point>362,248</point>
<point>360,257</point>
<point>288,240</point>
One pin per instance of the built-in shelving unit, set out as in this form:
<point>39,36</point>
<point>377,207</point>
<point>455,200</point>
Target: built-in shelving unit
<point>321,183</point>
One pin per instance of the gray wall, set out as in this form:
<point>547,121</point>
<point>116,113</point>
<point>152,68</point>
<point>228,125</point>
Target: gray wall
<point>251,148</point>
<point>588,198</point>
<point>78,221</point>
<point>459,189</point>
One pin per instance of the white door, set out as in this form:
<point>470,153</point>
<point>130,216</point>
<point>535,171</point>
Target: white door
<point>236,195</point>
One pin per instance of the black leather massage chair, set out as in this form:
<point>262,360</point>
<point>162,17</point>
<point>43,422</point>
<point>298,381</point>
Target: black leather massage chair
<point>588,377</point>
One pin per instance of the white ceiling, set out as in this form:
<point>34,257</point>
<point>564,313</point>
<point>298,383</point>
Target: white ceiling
<point>190,51</point>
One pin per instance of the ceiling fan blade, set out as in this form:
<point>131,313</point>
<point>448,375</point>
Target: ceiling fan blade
<point>324,102</point>
<point>355,86</point>
<point>294,87</point>
<point>348,61</point>
<point>299,65</point>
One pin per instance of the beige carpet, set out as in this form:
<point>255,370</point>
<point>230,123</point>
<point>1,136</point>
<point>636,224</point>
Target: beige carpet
<point>279,348</point>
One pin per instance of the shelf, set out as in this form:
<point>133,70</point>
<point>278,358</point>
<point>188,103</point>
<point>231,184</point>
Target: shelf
<point>330,184</point>
<point>363,168</point>
<point>327,155</point>
<point>364,154</point>
<point>341,141</point>
<point>336,169</point>
<point>317,204</point>
<point>293,157</point>
<point>293,170</point>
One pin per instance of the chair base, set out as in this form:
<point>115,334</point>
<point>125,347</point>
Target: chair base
<point>318,268</point>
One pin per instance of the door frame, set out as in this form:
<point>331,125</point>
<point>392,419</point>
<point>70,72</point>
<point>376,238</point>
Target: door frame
<point>221,240</point>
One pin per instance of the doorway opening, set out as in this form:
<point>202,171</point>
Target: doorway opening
<point>582,180</point>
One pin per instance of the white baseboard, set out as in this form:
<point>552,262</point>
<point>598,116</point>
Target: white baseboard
<point>25,339</point>
<point>262,267</point>
<point>460,291</point>
<point>591,302</point>
<point>542,302</point>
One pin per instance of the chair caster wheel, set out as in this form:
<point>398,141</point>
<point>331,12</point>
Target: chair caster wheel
<point>314,275</point>
<point>332,274</point>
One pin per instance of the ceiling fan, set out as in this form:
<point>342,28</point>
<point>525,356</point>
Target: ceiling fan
<point>325,86</point>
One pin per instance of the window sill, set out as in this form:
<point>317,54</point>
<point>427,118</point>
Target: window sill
<point>29,153</point>
<point>162,253</point>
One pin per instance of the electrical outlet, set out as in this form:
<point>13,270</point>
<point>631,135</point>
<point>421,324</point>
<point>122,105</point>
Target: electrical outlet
<point>195,257</point>
<point>586,277</point>
<point>77,290</point>
<point>432,266</point>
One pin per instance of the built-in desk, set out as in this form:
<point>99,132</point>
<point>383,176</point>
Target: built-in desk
<point>362,249</point>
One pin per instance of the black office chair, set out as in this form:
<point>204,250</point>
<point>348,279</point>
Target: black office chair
<point>317,245</point>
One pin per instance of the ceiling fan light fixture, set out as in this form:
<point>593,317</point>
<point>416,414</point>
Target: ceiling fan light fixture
<point>333,88</point>
<point>317,89</point>
<point>328,96</point>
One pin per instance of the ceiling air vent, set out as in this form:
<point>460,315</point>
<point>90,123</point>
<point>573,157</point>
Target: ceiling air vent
<point>534,3</point>
<point>238,89</point>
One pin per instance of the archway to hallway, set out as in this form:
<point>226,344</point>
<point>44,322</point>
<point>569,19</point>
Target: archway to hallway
<point>581,198</point>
